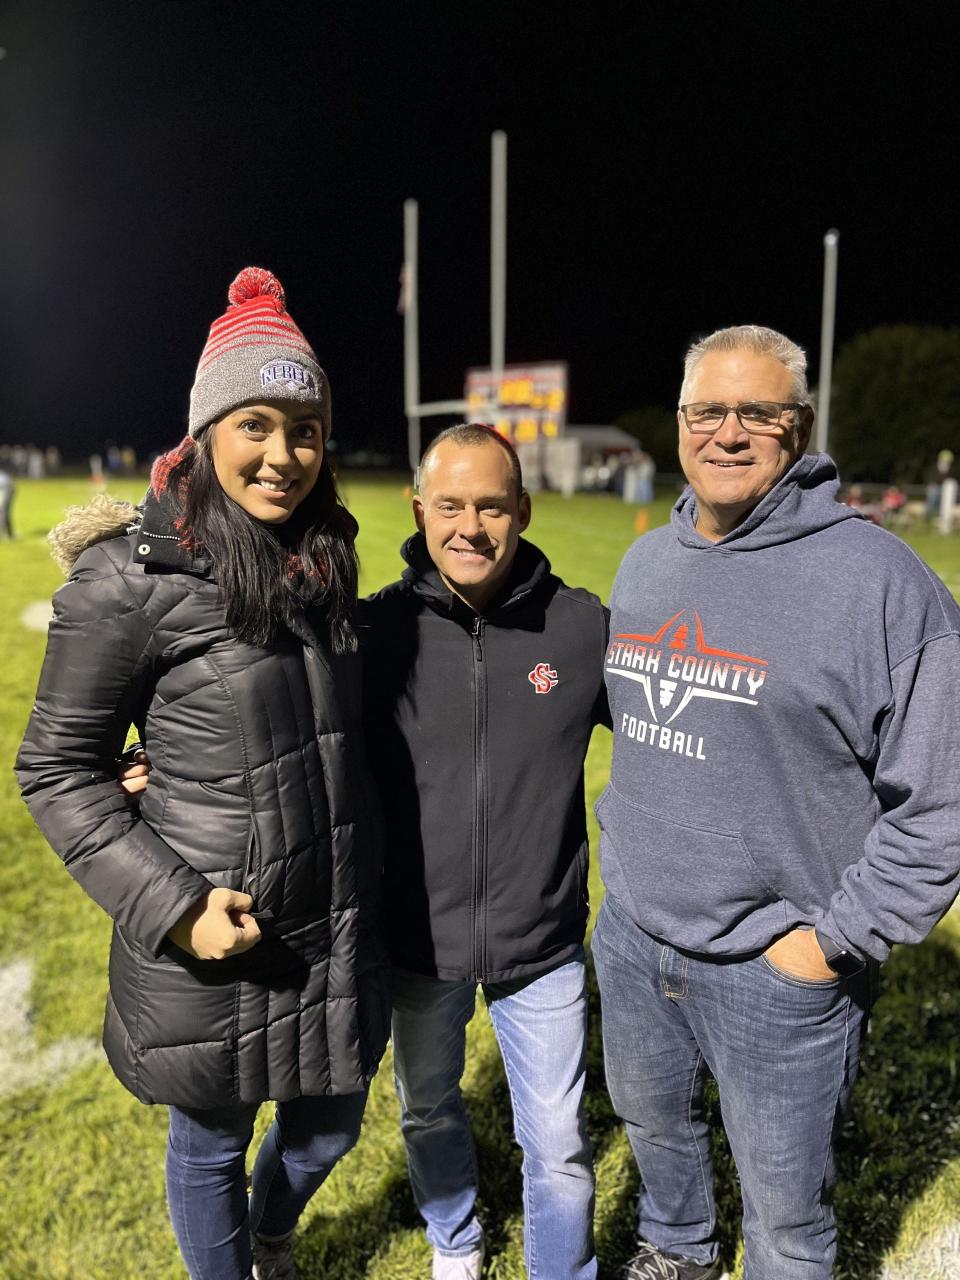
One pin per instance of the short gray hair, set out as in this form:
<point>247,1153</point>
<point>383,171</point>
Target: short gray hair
<point>762,342</point>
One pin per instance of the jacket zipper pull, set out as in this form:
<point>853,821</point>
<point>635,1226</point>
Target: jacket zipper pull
<point>476,637</point>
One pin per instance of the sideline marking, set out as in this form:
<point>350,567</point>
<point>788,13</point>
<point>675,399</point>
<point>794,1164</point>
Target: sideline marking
<point>37,616</point>
<point>936,1259</point>
<point>22,1064</point>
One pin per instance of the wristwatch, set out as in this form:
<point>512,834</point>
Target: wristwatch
<point>838,958</point>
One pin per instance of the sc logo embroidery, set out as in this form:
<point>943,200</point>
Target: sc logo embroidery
<point>543,677</point>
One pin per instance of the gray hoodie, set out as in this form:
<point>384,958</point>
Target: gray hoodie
<point>786,726</point>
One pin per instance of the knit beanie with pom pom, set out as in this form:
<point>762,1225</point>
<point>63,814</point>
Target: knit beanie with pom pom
<point>256,352</point>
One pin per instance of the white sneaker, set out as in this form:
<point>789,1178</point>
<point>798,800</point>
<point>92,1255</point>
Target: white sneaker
<point>465,1267</point>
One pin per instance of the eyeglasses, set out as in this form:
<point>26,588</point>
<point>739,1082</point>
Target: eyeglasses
<point>755,416</point>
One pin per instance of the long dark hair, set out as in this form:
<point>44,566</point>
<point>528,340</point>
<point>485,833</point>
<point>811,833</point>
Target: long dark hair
<point>268,573</point>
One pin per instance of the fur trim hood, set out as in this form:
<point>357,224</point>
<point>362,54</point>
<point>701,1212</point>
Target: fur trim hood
<point>102,518</point>
<point>105,517</point>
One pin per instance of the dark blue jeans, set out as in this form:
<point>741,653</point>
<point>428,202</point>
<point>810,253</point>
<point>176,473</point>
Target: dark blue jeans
<point>206,1185</point>
<point>784,1052</point>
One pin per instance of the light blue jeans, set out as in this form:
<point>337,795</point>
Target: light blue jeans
<point>784,1052</point>
<point>540,1024</point>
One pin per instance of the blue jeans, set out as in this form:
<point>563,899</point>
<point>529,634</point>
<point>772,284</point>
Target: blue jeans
<point>784,1052</point>
<point>541,1025</point>
<point>206,1184</point>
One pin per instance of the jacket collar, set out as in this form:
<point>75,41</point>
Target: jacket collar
<point>159,541</point>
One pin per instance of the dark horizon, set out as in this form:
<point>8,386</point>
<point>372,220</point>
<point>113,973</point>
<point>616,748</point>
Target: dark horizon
<point>669,173</point>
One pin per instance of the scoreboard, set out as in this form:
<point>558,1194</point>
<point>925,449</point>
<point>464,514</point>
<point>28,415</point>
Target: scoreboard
<point>530,399</point>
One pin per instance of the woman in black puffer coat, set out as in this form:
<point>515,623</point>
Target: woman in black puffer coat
<point>246,961</point>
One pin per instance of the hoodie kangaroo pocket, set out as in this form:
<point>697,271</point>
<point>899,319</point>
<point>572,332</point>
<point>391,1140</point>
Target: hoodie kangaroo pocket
<point>692,886</point>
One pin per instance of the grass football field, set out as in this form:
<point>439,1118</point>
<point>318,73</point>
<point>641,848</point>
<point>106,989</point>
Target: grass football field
<point>81,1162</point>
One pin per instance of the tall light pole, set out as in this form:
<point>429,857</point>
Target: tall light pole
<point>411,334</point>
<point>498,253</point>
<point>830,243</point>
<point>415,411</point>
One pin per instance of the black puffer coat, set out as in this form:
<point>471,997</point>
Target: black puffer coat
<point>258,783</point>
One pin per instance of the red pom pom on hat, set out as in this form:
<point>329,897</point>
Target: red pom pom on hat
<point>255,282</point>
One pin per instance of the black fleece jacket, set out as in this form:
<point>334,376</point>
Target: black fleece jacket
<point>477,726</point>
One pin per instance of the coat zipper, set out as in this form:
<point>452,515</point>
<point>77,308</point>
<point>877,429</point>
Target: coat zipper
<point>480,815</point>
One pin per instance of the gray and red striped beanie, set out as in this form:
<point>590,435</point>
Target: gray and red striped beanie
<point>255,352</point>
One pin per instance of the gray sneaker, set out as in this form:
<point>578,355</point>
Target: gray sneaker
<point>466,1267</point>
<point>648,1263</point>
<point>273,1259</point>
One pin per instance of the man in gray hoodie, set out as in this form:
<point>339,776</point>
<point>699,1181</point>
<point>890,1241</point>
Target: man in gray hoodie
<point>783,808</point>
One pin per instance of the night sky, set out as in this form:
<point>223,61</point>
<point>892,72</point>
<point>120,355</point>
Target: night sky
<point>672,168</point>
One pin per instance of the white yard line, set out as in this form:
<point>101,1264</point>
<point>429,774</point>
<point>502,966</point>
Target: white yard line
<point>22,1064</point>
<point>37,616</point>
<point>937,1259</point>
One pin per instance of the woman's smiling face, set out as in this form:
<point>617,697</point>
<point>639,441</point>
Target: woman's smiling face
<point>267,456</point>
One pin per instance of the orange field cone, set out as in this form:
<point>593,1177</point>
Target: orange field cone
<point>642,521</point>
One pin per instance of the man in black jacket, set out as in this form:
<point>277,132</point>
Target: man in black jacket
<point>483,684</point>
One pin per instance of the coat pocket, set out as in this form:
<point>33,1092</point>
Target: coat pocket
<point>251,865</point>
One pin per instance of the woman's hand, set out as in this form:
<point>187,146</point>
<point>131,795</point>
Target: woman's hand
<point>133,777</point>
<point>217,926</point>
<point>799,953</point>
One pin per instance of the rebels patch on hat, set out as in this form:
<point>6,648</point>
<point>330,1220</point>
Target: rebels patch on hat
<point>290,375</point>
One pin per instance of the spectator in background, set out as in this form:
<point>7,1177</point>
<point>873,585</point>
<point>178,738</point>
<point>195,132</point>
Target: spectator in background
<point>936,474</point>
<point>854,498</point>
<point>6,503</point>
<point>638,477</point>
<point>892,501</point>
